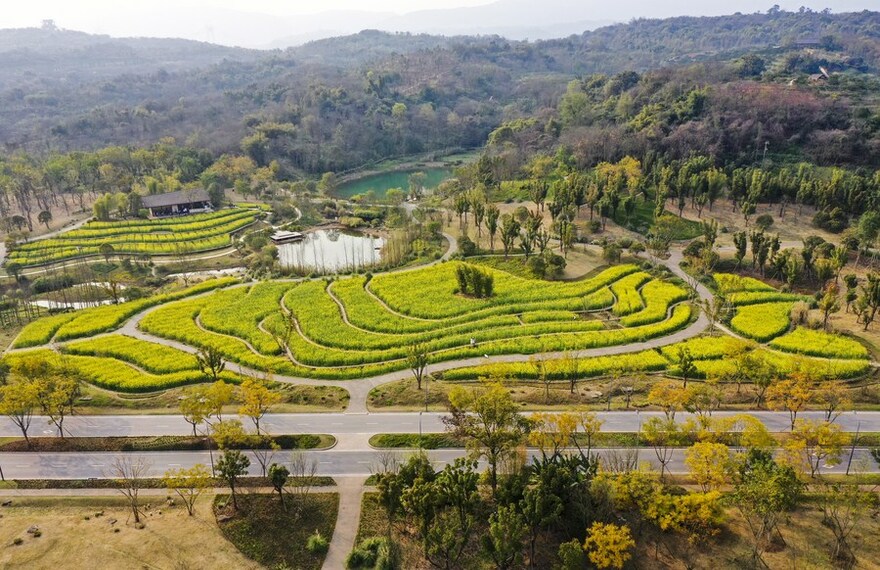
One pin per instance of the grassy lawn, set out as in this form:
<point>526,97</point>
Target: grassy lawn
<point>159,443</point>
<point>590,395</point>
<point>97,401</point>
<point>275,537</point>
<point>72,536</point>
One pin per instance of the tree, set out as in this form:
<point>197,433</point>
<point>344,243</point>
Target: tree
<point>211,362</point>
<point>57,392</point>
<point>668,397</point>
<point>263,447</point>
<point>492,215</point>
<point>791,394</point>
<point>278,475</point>
<point>232,466</point>
<point>571,555</point>
<point>867,304</point>
<point>18,400</point>
<point>14,270</point>
<point>417,361</point>
<point>129,474</point>
<point>107,250</point>
<point>833,397</point>
<point>456,502</point>
<point>814,443</point>
<point>763,492</point>
<point>590,425</point>
<point>541,508</point>
<point>843,507</point>
<point>419,503</point>
<point>552,432</point>
<point>609,545</point>
<point>218,395</point>
<point>686,367</point>
<point>304,471</point>
<point>507,529</point>
<point>488,421</point>
<point>195,407</point>
<point>328,183</point>
<point>739,243</point>
<point>664,436</point>
<point>188,484</point>
<point>829,303</point>
<point>709,464</point>
<point>509,232</point>
<point>44,218</point>
<point>256,400</point>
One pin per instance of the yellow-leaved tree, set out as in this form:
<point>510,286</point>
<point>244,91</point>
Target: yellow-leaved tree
<point>609,545</point>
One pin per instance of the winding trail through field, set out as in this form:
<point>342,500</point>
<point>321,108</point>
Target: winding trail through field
<point>359,389</point>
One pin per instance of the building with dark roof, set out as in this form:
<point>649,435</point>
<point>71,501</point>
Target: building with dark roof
<point>178,203</point>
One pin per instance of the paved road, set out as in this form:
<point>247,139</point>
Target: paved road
<point>330,463</point>
<point>340,424</point>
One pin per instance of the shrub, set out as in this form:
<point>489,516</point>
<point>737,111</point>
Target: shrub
<point>317,544</point>
<point>474,281</point>
<point>764,221</point>
<point>466,246</point>
<point>834,220</point>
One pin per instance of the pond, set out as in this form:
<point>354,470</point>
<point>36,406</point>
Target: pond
<point>381,183</point>
<point>331,251</point>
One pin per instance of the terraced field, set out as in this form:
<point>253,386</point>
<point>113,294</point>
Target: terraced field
<point>714,357</point>
<point>168,236</point>
<point>761,312</point>
<point>357,327</point>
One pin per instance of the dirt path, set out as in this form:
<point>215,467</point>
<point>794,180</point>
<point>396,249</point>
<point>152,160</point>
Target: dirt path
<point>351,491</point>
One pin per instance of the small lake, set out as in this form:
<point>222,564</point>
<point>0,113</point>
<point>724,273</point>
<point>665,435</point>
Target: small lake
<point>381,183</point>
<point>331,251</point>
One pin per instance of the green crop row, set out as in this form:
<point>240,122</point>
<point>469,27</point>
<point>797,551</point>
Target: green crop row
<point>152,238</point>
<point>41,331</point>
<point>151,357</point>
<point>659,296</point>
<point>95,320</point>
<point>820,343</point>
<point>762,322</point>
<point>366,311</point>
<point>707,347</point>
<point>626,290</point>
<point>548,316</point>
<point>123,239</point>
<point>785,363</point>
<point>429,293</point>
<point>560,369</point>
<point>238,312</point>
<point>325,346</point>
<point>116,375</point>
<point>52,255</point>
<point>178,224</point>
<point>756,297</point>
<point>730,282</point>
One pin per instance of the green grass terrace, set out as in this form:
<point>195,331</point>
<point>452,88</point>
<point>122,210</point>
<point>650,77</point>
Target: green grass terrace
<point>166,236</point>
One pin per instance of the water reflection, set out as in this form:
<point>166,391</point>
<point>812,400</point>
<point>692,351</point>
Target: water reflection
<point>331,251</point>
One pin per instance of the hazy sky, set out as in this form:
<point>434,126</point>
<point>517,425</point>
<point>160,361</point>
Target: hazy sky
<point>69,12</point>
<point>259,23</point>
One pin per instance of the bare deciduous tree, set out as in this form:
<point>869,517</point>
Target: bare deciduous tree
<point>129,472</point>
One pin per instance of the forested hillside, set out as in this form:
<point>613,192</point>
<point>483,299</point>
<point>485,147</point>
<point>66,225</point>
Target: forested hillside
<point>726,85</point>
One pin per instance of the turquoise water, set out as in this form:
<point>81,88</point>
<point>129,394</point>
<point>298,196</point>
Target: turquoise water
<point>381,183</point>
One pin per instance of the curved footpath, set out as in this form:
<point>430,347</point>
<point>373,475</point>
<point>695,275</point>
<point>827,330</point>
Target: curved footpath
<point>359,389</point>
